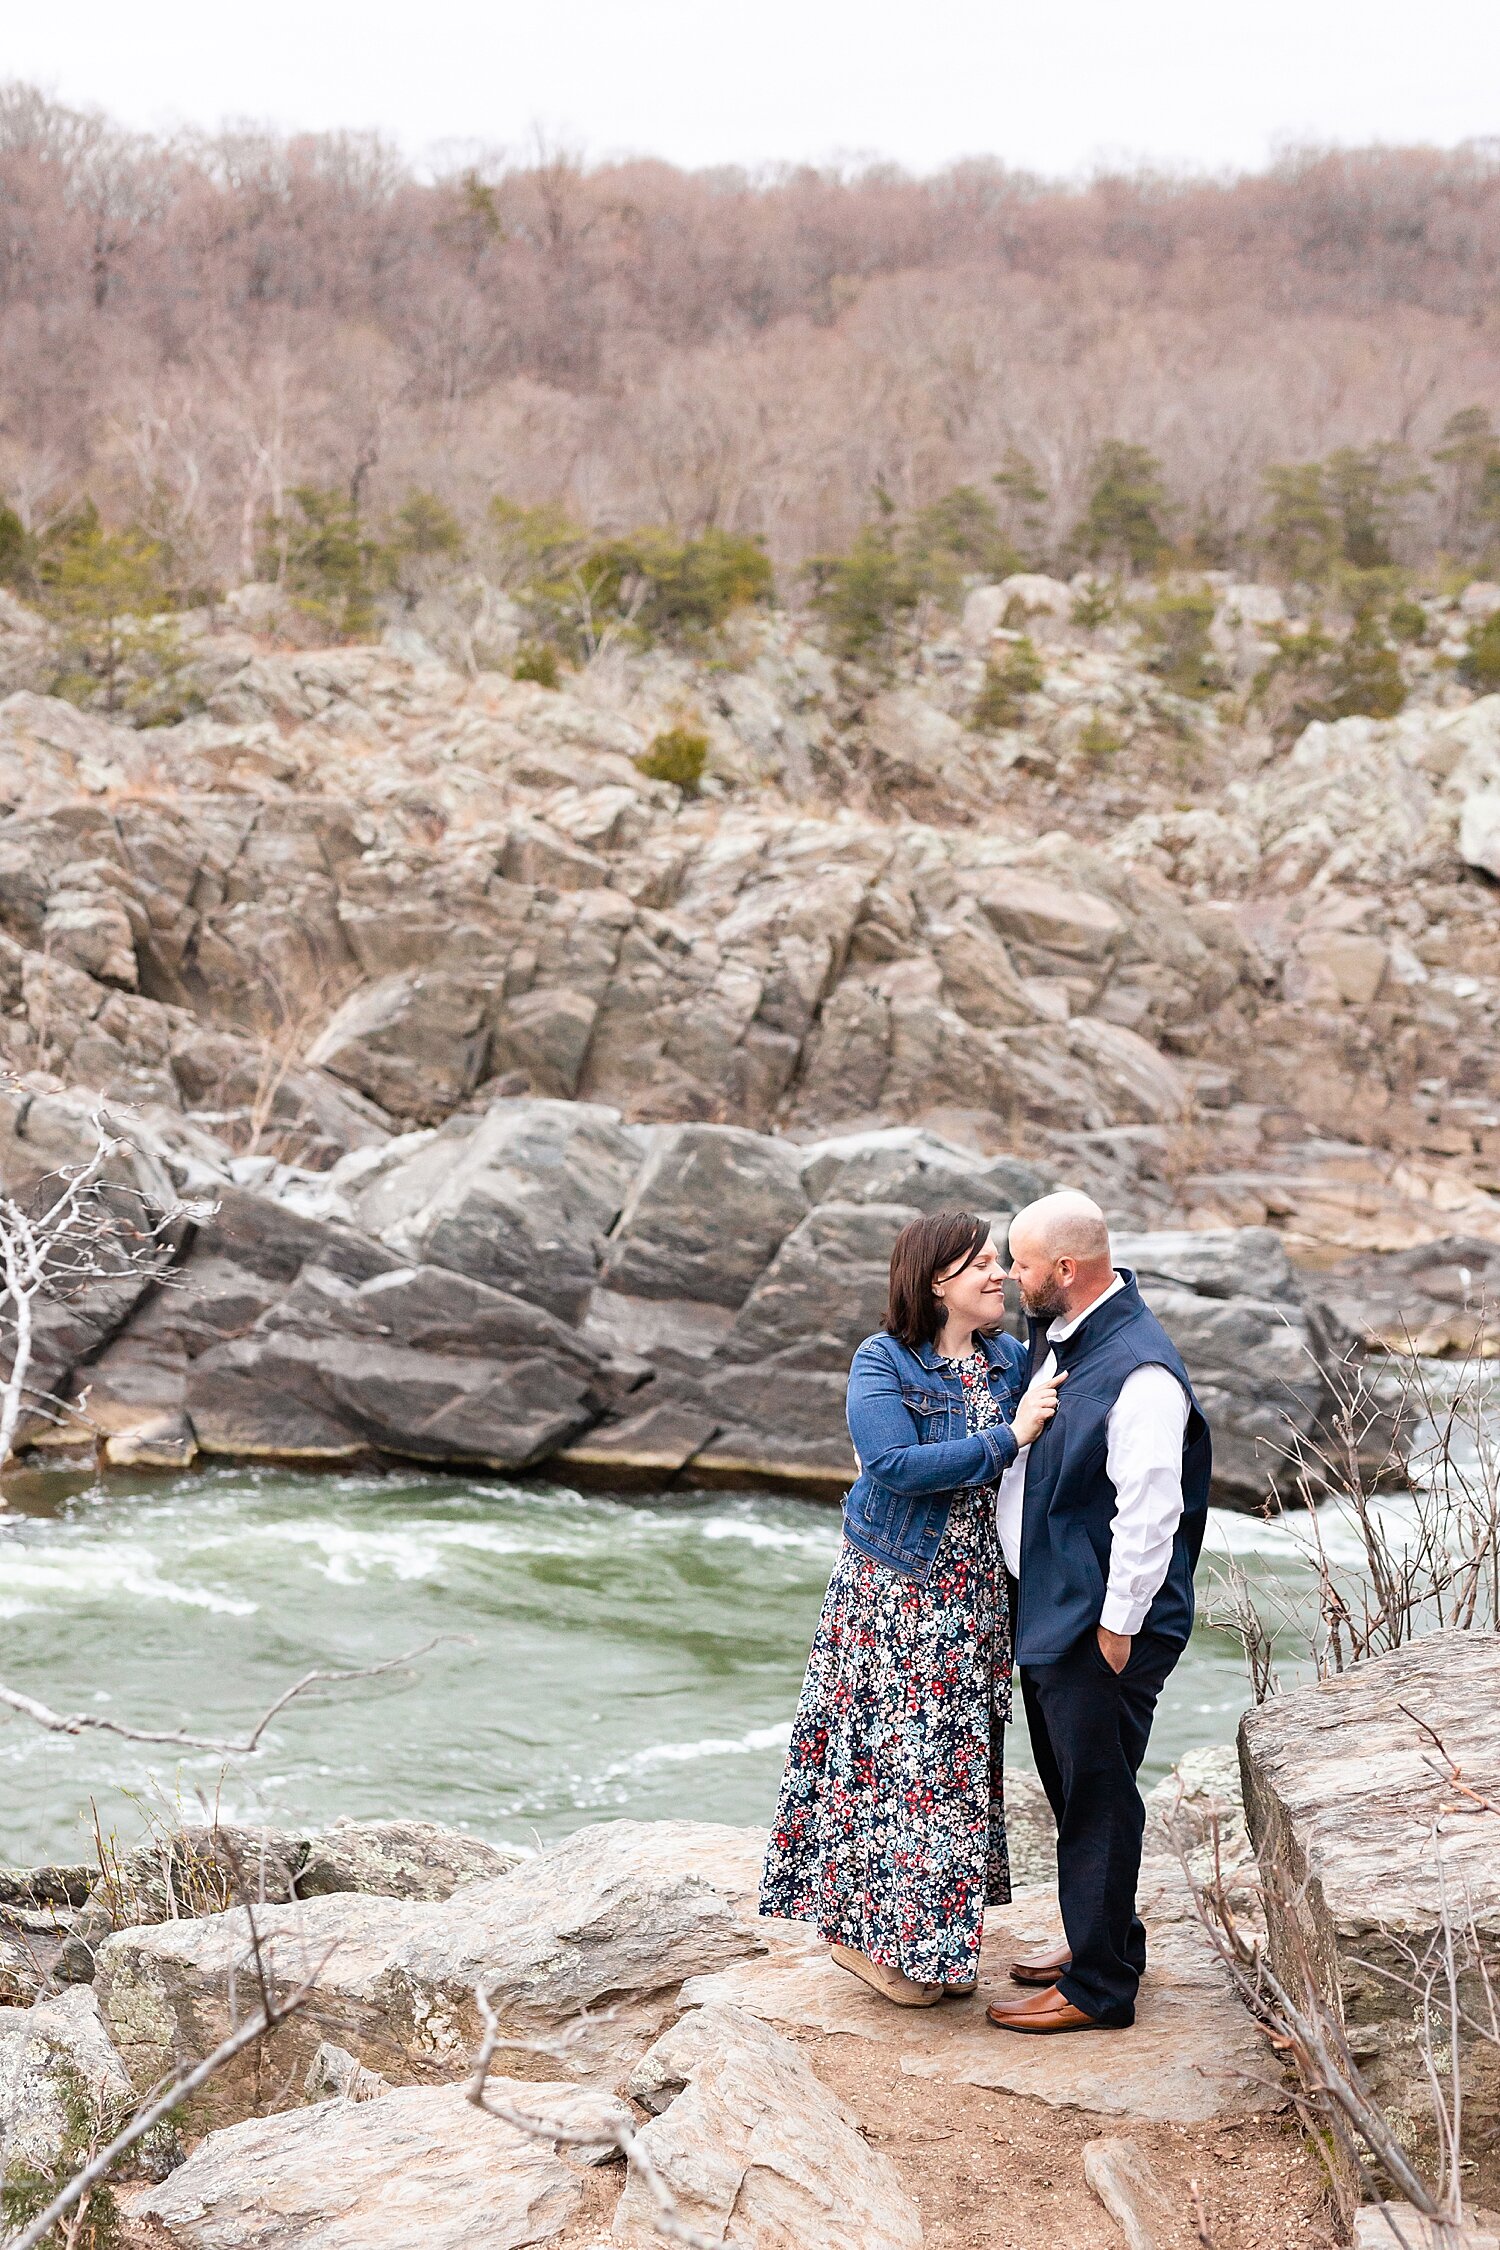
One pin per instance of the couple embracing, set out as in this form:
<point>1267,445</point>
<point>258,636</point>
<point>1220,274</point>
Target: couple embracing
<point>1038,1509</point>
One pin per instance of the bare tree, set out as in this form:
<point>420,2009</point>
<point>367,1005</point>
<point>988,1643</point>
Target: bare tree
<point>81,1233</point>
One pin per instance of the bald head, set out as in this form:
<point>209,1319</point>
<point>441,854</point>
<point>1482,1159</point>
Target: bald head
<point>1065,1225</point>
<point>1059,1254</point>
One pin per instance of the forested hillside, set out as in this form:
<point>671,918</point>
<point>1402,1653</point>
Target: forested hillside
<point>193,329</point>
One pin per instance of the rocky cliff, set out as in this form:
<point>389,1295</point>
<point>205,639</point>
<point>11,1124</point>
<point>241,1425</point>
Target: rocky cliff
<point>539,1102</point>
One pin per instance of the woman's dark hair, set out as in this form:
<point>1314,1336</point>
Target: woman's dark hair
<point>925,1247</point>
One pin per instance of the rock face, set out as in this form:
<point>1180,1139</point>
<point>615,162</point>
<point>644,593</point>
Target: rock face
<point>605,1913</point>
<point>421,961</point>
<point>1362,1845</point>
<point>417,2169</point>
<point>618,1913</point>
<point>60,2080</point>
<point>628,1302</point>
<point>751,2145</point>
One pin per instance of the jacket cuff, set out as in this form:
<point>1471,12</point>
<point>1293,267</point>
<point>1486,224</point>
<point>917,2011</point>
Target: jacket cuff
<point>1002,1442</point>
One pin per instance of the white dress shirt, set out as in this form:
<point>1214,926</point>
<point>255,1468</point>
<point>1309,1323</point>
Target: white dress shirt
<point>1144,1431</point>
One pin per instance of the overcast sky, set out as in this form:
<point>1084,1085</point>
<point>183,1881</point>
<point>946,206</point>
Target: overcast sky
<point>1053,85</point>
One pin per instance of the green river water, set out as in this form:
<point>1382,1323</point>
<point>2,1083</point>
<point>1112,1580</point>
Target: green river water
<point>619,1655</point>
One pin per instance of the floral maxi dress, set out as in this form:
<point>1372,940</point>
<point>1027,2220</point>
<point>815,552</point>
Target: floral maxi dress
<point>890,1828</point>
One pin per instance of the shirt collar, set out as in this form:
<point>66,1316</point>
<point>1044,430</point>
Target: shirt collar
<point>1060,1331</point>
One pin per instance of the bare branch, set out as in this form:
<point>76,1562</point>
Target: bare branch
<point>79,1722</point>
<point>608,2133</point>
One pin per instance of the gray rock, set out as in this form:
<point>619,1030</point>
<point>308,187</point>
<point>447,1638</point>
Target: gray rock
<point>1218,1262</point>
<point>782,1425</point>
<point>414,1043</point>
<point>198,1870</point>
<point>745,2137</point>
<point>1364,1844</point>
<point>417,2169</point>
<point>625,1910</point>
<point>827,1281</point>
<point>1255,1368</point>
<point>57,2061</point>
<point>708,1211</point>
<point>398,1859</point>
<point>171,1991</point>
<point>521,1198</point>
<point>1439,1298</point>
<point>418,1362</point>
<point>903,1164</point>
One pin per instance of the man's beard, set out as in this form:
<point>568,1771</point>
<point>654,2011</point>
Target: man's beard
<point>1047,1302</point>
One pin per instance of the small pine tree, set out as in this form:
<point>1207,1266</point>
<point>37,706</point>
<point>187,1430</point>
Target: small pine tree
<point>1302,529</point>
<point>423,540</point>
<point>327,561</point>
<point>1479,667</point>
<point>102,588</point>
<point>1000,701</point>
<point>1123,522</point>
<point>1469,452</point>
<point>18,553</point>
<point>865,596</point>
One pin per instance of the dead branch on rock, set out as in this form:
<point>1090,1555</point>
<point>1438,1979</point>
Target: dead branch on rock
<point>78,1722</point>
<point>607,2133</point>
<point>1305,2029</point>
<point>179,2088</point>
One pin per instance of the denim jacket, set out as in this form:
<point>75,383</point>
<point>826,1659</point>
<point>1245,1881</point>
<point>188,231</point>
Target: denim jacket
<point>906,1418</point>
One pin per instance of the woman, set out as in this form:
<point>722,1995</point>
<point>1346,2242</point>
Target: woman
<point>890,1829</point>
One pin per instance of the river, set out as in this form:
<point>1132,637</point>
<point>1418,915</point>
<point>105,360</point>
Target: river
<point>610,1655</point>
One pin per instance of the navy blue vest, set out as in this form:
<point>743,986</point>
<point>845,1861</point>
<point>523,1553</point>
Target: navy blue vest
<point>1070,1502</point>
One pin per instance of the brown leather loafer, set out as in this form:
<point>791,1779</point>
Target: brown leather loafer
<point>1041,1968</point>
<point>1020,2003</point>
<point>1050,2013</point>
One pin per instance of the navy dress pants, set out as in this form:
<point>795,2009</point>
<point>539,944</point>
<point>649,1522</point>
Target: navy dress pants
<point>1089,1730</point>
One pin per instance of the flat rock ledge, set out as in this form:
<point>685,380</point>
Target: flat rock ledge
<point>1365,1842</point>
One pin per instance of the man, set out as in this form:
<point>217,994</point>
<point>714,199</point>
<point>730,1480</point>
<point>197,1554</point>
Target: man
<point>1101,1521</point>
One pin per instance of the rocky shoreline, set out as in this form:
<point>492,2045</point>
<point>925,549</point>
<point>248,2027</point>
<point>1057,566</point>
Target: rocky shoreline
<point>542,1286</point>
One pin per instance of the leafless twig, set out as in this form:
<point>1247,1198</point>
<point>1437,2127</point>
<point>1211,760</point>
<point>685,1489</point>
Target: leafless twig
<point>177,2089</point>
<point>607,2132</point>
<point>78,1722</point>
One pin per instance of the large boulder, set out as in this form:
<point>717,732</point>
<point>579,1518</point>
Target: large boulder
<point>415,2169</point>
<point>905,1164</point>
<point>625,1910</point>
<point>1259,1356</point>
<point>398,1859</point>
<point>170,1992</point>
<point>823,1291</point>
<point>747,2140</point>
<point>1370,1850</point>
<point>418,1362</point>
<point>415,1043</point>
<point>619,1913</point>
<point>1440,1297</point>
<point>61,2081</point>
<point>706,1215</point>
<point>521,1198</point>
